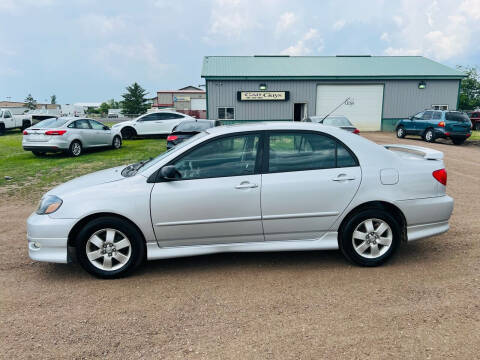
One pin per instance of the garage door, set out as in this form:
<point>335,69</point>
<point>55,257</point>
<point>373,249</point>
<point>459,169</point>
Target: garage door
<point>365,111</point>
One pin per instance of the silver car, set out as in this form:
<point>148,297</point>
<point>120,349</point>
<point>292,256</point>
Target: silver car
<point>259,187</point>
<point>69,134</point>
<point>334,120</point>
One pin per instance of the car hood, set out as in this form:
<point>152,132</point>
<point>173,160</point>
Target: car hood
<point>85,181</point>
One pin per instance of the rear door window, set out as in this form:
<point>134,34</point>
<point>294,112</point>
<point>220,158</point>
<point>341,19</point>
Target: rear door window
<point>437,115</point>
<point>306,151</point>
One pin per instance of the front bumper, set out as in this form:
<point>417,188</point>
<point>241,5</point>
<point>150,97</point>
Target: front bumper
<point>426,217</point>
<point>48,237</point>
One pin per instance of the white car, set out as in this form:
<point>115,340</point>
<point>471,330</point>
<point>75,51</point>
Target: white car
<point>259,187</point>
<point>10,121</point>
<point>156,123</point>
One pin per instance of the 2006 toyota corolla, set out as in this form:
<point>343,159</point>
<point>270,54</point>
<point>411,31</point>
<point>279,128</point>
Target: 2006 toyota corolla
<point>261,187</point>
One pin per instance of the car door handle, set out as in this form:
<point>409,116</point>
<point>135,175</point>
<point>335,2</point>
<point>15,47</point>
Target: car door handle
<point>343,177</point>
<point>158,122</point>
<point>246,185</point>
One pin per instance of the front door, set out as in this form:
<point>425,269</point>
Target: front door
<point>8,120</point>
<point>216,199</point>
<point>309,181</point>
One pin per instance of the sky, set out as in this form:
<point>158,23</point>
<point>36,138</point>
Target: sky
<point>90,50</point>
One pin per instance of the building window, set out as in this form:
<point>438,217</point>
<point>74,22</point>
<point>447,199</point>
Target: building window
<point>440,107</point>
<point>226,113</point>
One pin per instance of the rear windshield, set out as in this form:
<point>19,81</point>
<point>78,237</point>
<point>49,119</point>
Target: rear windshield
<point>194,126</point>
<point>51,123</point>
<point>337,121</point>
<point>456,116</point>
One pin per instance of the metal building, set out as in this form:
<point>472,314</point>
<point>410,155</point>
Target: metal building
<point>189,100</point>
<point>375,91</point>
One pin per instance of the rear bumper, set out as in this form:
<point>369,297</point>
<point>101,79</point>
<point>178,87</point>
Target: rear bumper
<point>45,148</point>
<point>446,134</point>
<point>47,238</point>
<point>426,217</point>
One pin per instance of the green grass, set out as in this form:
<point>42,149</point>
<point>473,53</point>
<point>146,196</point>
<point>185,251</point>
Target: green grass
<point>32,176</point>
<point>475,135</point>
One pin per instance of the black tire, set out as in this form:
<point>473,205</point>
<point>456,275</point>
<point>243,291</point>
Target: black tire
<point>401,132</point>
<point>346,241</point>
<point>75,148</point>
<point>137,250</point>
<point>25,125</point>
<point>458,141</point>
<point>2,129</point>
<point>38,153</point>
<point>429,136</point>
<point>117,142</point>
<point>128,133</point>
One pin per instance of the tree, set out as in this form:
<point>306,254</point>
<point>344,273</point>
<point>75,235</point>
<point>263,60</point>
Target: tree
<point>469,88</point>
<point>103,109</point>
<point>30,102</point>
<point>134,101</point>
<point>113,104</point>
<point>53,99</point>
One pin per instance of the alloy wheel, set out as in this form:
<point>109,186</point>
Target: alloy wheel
<point>76,149</point>
<point>372,238</point>
<point>108,249</point>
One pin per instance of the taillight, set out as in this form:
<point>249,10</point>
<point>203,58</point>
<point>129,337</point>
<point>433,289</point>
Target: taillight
<point>356,131</point>
<point>440,176</point>
<point>55,132</point>
<point>172,137</point>
<point>441,124</point>
<point>25,132</point>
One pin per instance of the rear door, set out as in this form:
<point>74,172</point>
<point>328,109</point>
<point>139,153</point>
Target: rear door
<point>309,179</point>
<point>84,132</point>
<point>424,123</point>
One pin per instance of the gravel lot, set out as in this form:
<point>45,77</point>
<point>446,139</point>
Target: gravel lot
<point>299,305</point>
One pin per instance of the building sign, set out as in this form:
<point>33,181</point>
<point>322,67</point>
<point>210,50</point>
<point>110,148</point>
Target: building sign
<point>181,98</point>
<point>262,95</point>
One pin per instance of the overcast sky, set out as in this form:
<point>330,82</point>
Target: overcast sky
<point>89,50</point>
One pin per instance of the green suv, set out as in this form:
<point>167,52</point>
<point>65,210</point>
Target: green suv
<point>435,124</point>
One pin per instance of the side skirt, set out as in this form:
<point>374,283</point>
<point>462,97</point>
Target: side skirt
<point>327,242</point>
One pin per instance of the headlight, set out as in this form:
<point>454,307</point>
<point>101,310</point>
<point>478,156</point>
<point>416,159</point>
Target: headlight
<point>49,204</point>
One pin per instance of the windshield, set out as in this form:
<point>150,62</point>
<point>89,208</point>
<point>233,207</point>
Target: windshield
<point>51,123</point>
<point>1,113</point>
<point>160,157</point>
<point>337,121</point>
<point>457,116</point>
<point>188,126</point>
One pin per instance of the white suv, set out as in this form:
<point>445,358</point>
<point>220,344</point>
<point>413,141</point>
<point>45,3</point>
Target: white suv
<point>156,123</point>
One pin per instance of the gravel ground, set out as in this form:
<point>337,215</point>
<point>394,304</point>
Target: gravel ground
<point>298,305</point>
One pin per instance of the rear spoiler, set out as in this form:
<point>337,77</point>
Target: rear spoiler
<point>427,153</point>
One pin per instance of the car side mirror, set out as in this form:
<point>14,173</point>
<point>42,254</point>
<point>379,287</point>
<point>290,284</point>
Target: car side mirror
<point>106,127</point>
<point>169,172</point>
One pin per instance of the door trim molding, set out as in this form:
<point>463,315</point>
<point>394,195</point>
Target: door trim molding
<point>304,215</point>
<point>209,221</point>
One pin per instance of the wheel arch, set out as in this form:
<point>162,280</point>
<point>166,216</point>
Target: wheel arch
<point>82,222</point>
<point>378,204</point>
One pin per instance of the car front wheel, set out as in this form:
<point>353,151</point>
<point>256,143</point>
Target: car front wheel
<point>401,132</point>
<point>109,247</point>
<point>370,237</point>
<point>117,142</point>
<point>128,133</point>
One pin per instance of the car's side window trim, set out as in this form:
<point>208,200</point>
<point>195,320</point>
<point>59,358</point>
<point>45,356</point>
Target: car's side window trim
<point>258,161</point>
<point>266,156</point>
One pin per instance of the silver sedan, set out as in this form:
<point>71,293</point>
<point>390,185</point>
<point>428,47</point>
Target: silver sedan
<point>259,187</point>
<point>69,134</point>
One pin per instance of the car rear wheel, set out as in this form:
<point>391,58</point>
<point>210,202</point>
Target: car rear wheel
<point>109,247</point>
<point>117,142</point>
<point>429,136</point>
<point>458,141</point>
<point>401,132</point>
<point>75,148</point>
<point>38,153</point>
<point>370,237</point>
<point>128,133</point>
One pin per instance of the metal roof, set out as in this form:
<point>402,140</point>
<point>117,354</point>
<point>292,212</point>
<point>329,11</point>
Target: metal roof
<point>325,67</point>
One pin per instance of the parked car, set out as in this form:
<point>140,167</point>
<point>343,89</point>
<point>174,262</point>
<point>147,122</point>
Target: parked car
<point>334,120</point>
<point>37,115</point>
<point>69,134</point>
<point>435,124</point>
<point>475,119</point>
<point>10,121</point>
<point>258,187</point>
<point>114,113</point>
<point>188,128</point>
<point>155,123</point>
